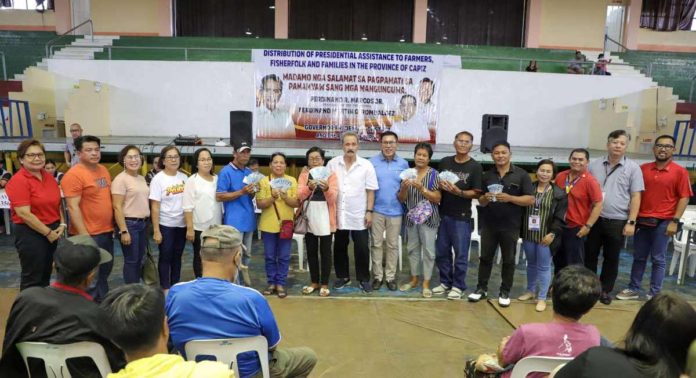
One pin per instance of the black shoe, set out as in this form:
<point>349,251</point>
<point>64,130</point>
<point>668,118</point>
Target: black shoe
<point>366,287</point>
<point>605,298</point>
<point>477,295</point>
<point>340,283</point>
<point>391,285</point>
<point>376,284</point>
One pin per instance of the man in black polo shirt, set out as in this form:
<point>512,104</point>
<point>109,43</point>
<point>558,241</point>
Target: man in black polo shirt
<point>501,218</point>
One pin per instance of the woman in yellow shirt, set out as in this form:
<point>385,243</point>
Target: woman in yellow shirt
<point>276,205</point>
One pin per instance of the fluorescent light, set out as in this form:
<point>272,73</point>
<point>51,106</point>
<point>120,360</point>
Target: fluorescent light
<point>271,7</point>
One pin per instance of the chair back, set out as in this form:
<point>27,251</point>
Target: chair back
<point>55,356</point>
<point>226,351</point>
<point>534,364</point>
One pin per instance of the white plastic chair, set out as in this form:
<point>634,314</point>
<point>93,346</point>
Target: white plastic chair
<point>226,351</point>
<point>537,364</point>
<point>54,356</point>
<point>299,238</point>
<point>475,234</point>
<point>679,242</point>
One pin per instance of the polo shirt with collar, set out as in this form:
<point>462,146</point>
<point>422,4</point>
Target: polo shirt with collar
<point>24,189</point>
<point>583,194</point>
<point>388,178</point>
<point>663,190</point>
<point>506,216</point>
<point>617,185</point>
<point>239,213</point>
<point>351,202</point>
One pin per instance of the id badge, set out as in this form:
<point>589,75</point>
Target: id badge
<point>534,223</point>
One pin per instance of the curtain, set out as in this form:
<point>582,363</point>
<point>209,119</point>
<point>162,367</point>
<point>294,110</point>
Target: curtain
<point>6,3</point>
<point>667,15</point>
<point>225,18</point>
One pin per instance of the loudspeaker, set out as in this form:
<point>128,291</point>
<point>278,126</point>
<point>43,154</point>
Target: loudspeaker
<point>494,129</point>
<point>240,127</point>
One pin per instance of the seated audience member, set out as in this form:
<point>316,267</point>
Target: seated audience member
<point>575,66</point>
<point>601,66</point>
<point>62,313</point>
<point>532,67</point>
<point>136,316</point>
<point>656,345</point>
<point>212,307</point>
<point>51,168</point>
<point>574,291</point>
<point>154,171</point>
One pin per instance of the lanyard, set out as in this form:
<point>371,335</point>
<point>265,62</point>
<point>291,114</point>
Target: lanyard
<point>538,197</point>
<point>568,185</point>
<point>608,173</point>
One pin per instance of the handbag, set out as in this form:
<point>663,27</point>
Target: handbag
<point>301,219</point>
<point>149,269</point>
<point>647,222</point>
<point>423,210</point>
<point>286,226</point>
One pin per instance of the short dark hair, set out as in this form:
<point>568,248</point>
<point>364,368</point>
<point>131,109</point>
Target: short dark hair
<point>424,146</point>
<point>163,153</point>
<point>48,161</point>
<point>271,77</point>
<point>135,314</point>
<point>660,335</point>
<point>25,144</point>
<point>665,136</point>
<point>501,143</point>
<point>575,290</point>
<point>70,279</point>
<point>278,153</point>
<point>618,133</point>
<point>79,141</point>
<point>388,133</point>
<point>252,162</point>
<point>427,80</point>
<point>196,155</point>
<point>217,254</point>
<point>315,149</point>
<point>550,162</point>
<point>457,135</point>
<point>124,152</point>
<point>581,150</point>
<point>408,96</point>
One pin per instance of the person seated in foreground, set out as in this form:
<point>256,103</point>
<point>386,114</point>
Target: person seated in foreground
<point>575,290</point>
<point>62,313</point>
<point>212,307</point>
<point>656,345</point>
<point>575,66</point>
<point>136,317</point>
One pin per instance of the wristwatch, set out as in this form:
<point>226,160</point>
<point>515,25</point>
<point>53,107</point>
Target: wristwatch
<point>631,222</point>
<point>676,220</point>
<point>123,232</point>
<point>589,226</point>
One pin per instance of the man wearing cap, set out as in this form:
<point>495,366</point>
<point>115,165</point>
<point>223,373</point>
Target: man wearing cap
<point>236,197</point>
<point>62,313</point>
<point>212,307</point>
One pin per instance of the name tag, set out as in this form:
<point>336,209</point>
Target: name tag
<point>534,223</point>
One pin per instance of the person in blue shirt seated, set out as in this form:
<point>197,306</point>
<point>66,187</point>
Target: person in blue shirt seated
<point>212,307</point>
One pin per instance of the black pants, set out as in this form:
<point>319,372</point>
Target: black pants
<point>361,252</point>
<point>319,272</point>
<point>491,238</point>
<point>35,256</point>
<point>606,235</point>
<point>197,267</point>
<point>571,251</point>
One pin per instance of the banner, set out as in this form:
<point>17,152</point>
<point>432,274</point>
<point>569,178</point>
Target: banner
<point>317,94</point>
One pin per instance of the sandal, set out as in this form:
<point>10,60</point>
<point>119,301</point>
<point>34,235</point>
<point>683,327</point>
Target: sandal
<point>270,290</point>
<point>324,292</point>
<point>281,292</point>
<point>406,287</point>
<point>307,290</point>
<point>427,293</point>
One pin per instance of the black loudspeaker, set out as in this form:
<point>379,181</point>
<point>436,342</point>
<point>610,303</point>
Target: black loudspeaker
<point>494,129</point>
<point>240,127</point>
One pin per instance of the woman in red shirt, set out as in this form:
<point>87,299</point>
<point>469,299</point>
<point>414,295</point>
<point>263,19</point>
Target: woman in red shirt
<point>37,214</point>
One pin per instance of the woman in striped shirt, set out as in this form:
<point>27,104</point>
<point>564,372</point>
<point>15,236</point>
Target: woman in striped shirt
<point>421,194</point>
<point>541,223</point>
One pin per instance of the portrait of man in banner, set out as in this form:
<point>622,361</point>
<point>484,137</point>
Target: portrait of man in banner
<point>271,121</point>
<point>412,127</point>
<point>427,109</point>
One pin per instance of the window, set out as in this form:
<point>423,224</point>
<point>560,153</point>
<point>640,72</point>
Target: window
<point>23,4</point>
<point>693,23</point>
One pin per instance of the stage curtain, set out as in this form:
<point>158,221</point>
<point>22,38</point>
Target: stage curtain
<point>667,15</point>
<point>351,20</point>
<point>228,18</point>
<point>476,22</point>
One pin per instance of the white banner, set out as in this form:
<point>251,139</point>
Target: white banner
<point>316,94</point>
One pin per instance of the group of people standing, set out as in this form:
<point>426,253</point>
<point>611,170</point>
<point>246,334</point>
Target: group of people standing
<point>567,218</point>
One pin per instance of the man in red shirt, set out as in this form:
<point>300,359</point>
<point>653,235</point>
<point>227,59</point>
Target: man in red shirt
<point>584,206</point>
<point>666,195</point>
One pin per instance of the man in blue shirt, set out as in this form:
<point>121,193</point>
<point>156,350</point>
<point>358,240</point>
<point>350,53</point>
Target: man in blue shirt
<point>211,307</point>
<point>388,211</point>
<point>237,200</point>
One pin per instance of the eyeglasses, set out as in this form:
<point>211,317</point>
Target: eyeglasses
<point>172,157</point>
<point>205,160</point>
<point>664,146</point>
<point>133,157</point>
<point>33,156</point>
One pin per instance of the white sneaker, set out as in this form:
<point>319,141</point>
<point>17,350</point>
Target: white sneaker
<point>454,294</point>
<point>477,295</point>
<point>440,289</point>
<point>504,300</point>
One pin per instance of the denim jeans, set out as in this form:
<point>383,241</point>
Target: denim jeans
<point>277,255</point>
<point>538,267</point>
<point>133,254</point>
<point>571,251</point>
<point>170,251</point>
<point>649,242</point>
<point>100,286</point>
<point>453,234</point>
